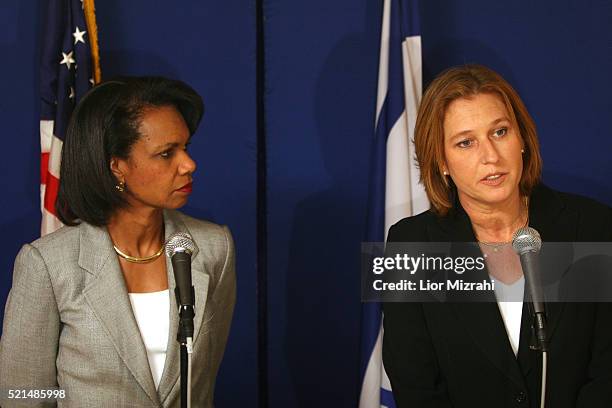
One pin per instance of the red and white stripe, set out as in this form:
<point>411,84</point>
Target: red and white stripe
<point>50,162</point>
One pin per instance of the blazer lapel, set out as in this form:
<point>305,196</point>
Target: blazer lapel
<point>200,281</point>
<point>107,296</point>
<point>171,365</point>
<point>545,209</point>
<point>525,355</point>
<point>482,318</point>
<point>484,323</point>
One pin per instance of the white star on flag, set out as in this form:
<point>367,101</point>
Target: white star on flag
<point>67,59</point>
<point>78,36</point>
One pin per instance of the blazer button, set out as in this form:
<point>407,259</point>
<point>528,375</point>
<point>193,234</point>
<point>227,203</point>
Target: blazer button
<point>521,397</point>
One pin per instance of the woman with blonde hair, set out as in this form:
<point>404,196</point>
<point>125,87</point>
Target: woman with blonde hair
<point>479,159</point>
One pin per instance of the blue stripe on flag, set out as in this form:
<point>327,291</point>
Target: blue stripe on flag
<point>404,22</point>
<point>409,23</point>
<point>386,398</point>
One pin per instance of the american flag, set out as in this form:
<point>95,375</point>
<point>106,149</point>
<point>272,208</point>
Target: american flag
<point>395,191</point>
<point>68,68</point>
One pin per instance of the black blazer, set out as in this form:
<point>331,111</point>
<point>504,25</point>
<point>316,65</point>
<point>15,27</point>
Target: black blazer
<point>458,354</point>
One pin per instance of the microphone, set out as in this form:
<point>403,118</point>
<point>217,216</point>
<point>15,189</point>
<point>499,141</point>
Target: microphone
<point>527,243</point>
<point>179,248</point>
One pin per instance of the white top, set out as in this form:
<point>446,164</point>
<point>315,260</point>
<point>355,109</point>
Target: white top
<point>510,302</point>
<point>152,312</point>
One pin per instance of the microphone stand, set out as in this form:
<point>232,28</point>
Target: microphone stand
<point>539,343</point>
<point>185,298</point>
<point>538,313</point>
<point>185,339</point>
<point>527,243</point>
<point>536,298</point>
<point>179,248</point>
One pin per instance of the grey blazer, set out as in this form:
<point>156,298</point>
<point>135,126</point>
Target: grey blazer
<point>69,323</point>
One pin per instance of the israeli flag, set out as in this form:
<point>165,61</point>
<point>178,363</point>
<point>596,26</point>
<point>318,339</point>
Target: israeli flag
<point>395,191</point>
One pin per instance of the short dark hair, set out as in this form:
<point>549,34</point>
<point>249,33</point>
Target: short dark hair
<point>105,125</point>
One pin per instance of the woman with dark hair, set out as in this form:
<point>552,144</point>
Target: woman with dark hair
<point>480,164</point>
<point>92,309</point>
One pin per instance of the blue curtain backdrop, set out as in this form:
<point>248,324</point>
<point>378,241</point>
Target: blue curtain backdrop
<point>192,43</point>
<point>321,61</point>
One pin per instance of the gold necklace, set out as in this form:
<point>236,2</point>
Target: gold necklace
<point>134,259</point>
<point>498,245</point>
